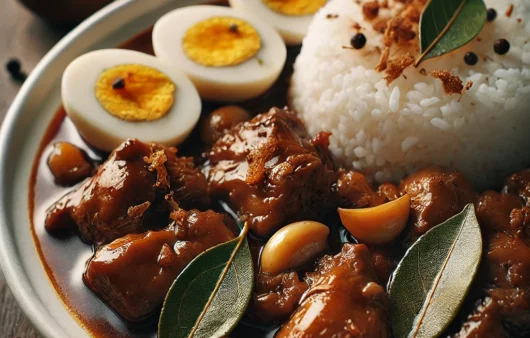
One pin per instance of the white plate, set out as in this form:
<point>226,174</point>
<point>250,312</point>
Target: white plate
<point>23,128</point>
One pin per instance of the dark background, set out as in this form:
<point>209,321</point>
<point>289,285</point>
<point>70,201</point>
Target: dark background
<point>27,38</point>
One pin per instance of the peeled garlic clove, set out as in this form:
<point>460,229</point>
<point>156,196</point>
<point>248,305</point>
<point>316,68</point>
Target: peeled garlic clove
<point>380,224</point>
<point>293,246</point>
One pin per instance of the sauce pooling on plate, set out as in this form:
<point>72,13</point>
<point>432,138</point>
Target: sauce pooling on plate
<point>56,253</point>
<point>323,242</point>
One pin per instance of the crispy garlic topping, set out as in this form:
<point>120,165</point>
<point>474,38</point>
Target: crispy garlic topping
<point>295,7</point>
<point>135,92</point>
<point>221,42</point>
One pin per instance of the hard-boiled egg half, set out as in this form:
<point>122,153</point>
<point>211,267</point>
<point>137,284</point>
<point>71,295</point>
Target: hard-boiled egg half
<point>228,55</point>
<point>115,94</point>
<point>291,18</point>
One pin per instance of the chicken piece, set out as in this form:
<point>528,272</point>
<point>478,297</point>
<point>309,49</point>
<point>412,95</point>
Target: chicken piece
<point>344,299</point>
<point>519,184</point>
<point>435,196</point>
<point>271,172</point>
<point>485,321</point>
<point>389,191</point>
<point>126,194</point>
<point>354,191</point>
<point>133,274</point>
<point>385,260</point>
<point>508,260</point>
<point>276,297</point>
<point>508,266</point>
<point>493,211</point>
<point>514,309</point>
<point>504,228</point>
<point>505,270</point>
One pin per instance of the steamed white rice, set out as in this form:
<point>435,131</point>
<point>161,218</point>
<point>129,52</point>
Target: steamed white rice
<point>389,131</point>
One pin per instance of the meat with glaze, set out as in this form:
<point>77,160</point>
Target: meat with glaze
<point>505,270</point>
<point>276,297</point>
<point>344,299</point>
<point>271,172</point>
<point>485,321</point>
<point>133,274</point>
<point>126,194</point>
<point>355,191</point>
<point>519,184</point>
<point>435,195</point>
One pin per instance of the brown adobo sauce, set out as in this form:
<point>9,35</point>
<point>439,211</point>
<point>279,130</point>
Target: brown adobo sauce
<point>342,293</point>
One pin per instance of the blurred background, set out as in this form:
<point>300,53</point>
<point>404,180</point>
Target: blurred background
<point>29,29</point>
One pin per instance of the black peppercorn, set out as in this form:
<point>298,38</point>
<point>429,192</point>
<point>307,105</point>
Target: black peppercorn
<point>492,14</point>
<point>471,58</point>
<point>119,83</point>
<point>501,46</point>
<point>234,28</point>
<point>358,41</point>
<point>13,67</point>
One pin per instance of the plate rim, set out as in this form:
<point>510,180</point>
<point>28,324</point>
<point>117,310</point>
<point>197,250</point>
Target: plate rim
<point>10,263</point>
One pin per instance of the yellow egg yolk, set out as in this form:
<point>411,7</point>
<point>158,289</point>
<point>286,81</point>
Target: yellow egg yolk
<point>135,92</point>
<point>221,42</point>
<point>295,7</point>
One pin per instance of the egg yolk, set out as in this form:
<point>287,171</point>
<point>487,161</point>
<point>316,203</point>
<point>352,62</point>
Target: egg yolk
<point>295,7</point>
<point>221,42</point>
<point>135,92</point>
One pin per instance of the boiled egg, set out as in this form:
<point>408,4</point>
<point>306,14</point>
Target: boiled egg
<point>115,94</point>
<point>228,55</point>
<point>291,18</point>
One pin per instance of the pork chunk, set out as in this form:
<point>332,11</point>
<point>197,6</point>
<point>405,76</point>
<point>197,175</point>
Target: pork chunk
<point>276,297</point>
<point>485,321</point>
<point>127,193</point>
<point>435,196</point>
<point>133,274</point>
<point>505,269</point>
<point>519,184</point>
<point>493,212</point>
<point>271,172</point>
<point>344,299</point>
<point>354,191</point>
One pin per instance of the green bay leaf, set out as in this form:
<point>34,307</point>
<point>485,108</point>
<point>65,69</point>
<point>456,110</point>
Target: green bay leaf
<point>446,25</point>
<point>210,296</point>
<point>433,278</point>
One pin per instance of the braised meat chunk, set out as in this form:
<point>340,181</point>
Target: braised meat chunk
<point>354,191</point>
<point>435,196</point>
<point>485,321</point>
<point>126,193</point>
<point>506,230</point>
<point>505,270</point>
<point>276,297</point>
<point>519,184</point>
<point>133,274</point>
<point>493,212</point>
<point>271,172</point>
<point>344,299</point>
<point>508,266</point>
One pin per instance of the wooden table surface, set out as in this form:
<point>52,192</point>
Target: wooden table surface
<point>27,38</point>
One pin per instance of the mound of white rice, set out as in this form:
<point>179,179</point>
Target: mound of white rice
<point>390,130</point>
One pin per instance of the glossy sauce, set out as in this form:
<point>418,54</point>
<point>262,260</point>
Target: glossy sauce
<point>64,259</point>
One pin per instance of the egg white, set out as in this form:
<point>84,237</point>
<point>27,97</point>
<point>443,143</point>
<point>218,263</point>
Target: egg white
<point>232,83</point>
<point>105,131</point>
<point>292,28</point>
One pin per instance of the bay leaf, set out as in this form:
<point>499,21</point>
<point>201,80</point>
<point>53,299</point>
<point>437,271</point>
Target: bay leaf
<point>446,25</point>
<point>210,296</point>
<point>433,278</point>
